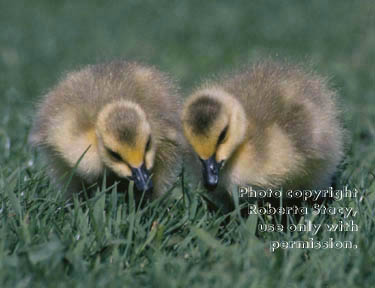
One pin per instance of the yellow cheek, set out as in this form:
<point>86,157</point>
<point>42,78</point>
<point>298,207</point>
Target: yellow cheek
<point>223,153</point>
<point>149,159</point>
<point>123,170</point>
<point>134,157</point>
<point>203,147</point>
<point>220,155</point>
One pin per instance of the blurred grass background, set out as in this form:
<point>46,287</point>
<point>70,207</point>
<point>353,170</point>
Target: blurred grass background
<point>40,40</point>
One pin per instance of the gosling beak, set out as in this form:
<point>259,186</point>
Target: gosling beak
<point>210,172</point>
<point>141,178</point>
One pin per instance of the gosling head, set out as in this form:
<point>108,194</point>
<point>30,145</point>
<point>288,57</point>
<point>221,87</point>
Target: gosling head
<point>125,142</point>
<point>215,125</point>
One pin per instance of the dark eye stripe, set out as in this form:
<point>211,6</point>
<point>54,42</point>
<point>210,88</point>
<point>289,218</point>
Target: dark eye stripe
<point>148,145</point>
<point>114,154</point>
<point>222,135</point>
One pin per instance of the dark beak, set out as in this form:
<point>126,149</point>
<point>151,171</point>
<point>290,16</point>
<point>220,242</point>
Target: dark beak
<point>210,172</point>
<point>141,178</point>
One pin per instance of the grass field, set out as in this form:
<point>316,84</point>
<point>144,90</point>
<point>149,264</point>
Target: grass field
<point>175,241</point>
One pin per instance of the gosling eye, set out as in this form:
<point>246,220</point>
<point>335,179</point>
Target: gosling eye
<point>114,155</point>
<point>222,136</point>
<point>148,145</point>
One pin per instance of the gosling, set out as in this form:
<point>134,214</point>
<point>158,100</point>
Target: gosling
<point>272,125</point>
<point>118,118</point>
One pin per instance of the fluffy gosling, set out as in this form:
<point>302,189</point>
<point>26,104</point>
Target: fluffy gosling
<point>127,118</point>
<point>272,125</point>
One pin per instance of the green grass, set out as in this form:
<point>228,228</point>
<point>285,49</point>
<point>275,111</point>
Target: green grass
<point>175,242</point>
